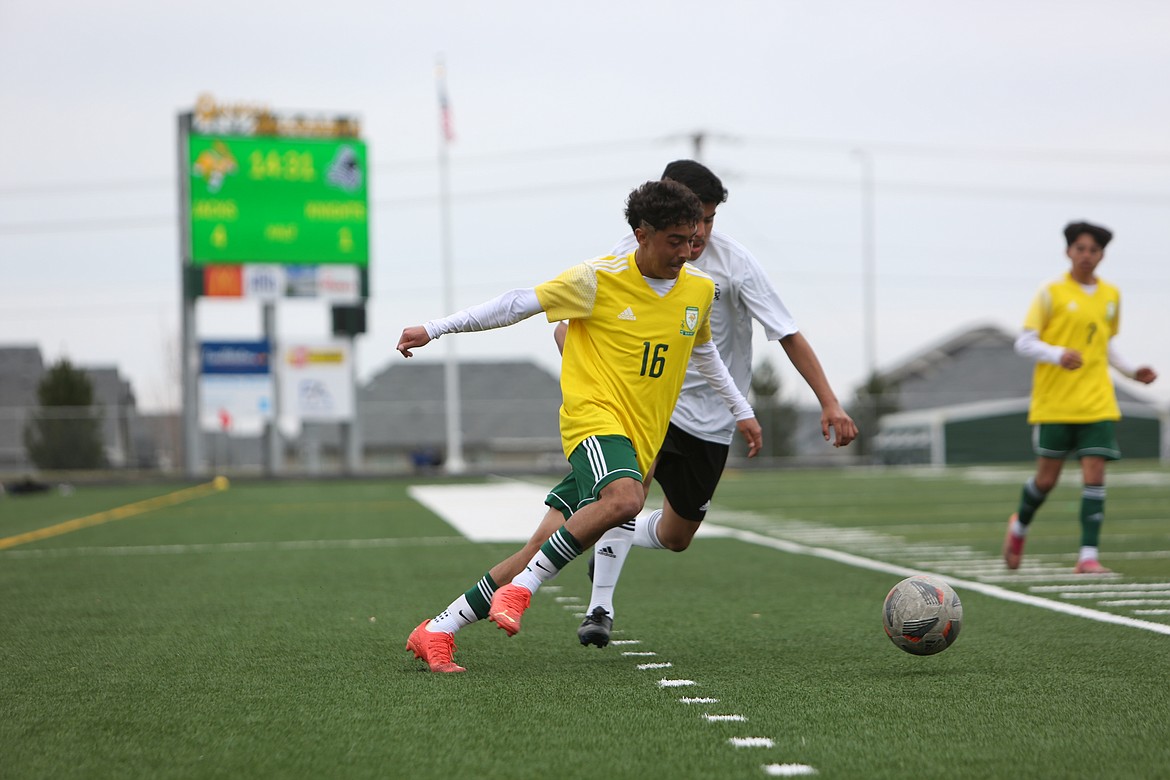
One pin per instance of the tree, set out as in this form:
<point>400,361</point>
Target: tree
<point>66,432</point>
<point>777,417</point>
<point>872,401</point>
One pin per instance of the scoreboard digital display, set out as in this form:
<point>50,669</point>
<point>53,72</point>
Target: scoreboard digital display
<point>293,201</point>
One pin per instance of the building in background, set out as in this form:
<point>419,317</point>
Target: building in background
<point>965,400</point>
<point>127,440</point>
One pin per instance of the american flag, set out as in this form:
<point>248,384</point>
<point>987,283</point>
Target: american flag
<point>446,126</point>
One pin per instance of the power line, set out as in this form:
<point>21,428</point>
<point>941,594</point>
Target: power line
<point>841,146</point>
<point>155,221</point>
<point>1058,156</point>
<point>421,163</point>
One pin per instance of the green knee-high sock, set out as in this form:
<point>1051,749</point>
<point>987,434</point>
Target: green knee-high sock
<point>468,608</point>
<point>1030,500</point>
<point>1092,514</point>
<point>554,555</point>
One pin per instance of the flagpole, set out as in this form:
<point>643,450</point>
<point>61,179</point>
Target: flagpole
<point>454,463</point>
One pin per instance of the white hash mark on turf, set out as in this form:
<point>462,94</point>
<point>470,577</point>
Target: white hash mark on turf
<point>644,652</point>
<point>721,718</point>
<point>664,683</point>
<point>760,742</point>
<point>788,770</point>
<point>959,584</point>
<point>626,642</point>
<point>698,700</point>
<point>666,665</point>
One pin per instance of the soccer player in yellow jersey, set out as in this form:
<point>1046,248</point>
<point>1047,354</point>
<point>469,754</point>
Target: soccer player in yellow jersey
<point>1069,332</point>
<point>635,322</point>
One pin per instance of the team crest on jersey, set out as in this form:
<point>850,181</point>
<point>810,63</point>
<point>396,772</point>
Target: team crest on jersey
<point>690,321</point>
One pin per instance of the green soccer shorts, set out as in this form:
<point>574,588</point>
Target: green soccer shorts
<point>596,462</point>
<point>1059,440</point>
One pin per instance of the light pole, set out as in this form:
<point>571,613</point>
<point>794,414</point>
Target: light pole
<point>868,262</point>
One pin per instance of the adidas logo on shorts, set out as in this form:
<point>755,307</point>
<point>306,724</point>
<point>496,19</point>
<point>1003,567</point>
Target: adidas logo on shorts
<point>607,551</point>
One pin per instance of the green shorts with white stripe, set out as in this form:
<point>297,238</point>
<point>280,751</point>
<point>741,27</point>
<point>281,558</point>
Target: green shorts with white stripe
<point>596,462</point>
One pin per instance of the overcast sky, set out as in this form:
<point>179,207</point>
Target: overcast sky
<point>989,126</point>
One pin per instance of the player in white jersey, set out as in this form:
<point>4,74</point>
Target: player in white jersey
<point>698,439</point>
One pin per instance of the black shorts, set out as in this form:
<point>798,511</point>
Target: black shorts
<point>688,471</point>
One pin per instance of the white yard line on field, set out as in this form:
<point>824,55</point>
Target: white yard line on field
<point>475,509</point>
<point>232,547</point>
<point>978,587</point>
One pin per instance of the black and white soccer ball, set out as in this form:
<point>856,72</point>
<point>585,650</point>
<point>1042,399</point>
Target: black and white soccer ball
<point>922,615</point>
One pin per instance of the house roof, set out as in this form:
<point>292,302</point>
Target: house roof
<point>974,365</point>
<point>404,404</point>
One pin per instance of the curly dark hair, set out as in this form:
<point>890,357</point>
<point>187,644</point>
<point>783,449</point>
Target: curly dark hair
<point>662,204</point>
<point>698,178</point>
<point>1074,230</point>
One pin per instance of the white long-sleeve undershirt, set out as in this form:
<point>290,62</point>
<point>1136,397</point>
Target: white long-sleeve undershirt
<point>503,310</point>
<point>705,357</point>
<point>520,304</point>
<point>1029,345</point>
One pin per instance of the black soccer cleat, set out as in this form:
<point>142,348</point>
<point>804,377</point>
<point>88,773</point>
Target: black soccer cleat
<point>595,628</point>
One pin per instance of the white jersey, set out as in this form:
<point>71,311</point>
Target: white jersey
<point>742,293</point>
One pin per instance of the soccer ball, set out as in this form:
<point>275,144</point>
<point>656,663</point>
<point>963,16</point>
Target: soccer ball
<point>922,615</point>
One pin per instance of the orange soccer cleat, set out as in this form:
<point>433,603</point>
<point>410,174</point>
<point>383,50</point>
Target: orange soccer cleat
<point>1091,566</point>
<point>1013,546</point>
<point>434,647</point>
<point>508,605</point>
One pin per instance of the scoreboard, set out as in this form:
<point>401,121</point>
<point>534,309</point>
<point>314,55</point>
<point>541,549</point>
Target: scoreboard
<point>272,199</point>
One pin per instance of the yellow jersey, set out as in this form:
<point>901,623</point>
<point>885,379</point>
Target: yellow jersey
<point>626,350</point>
<point>1063,314</point>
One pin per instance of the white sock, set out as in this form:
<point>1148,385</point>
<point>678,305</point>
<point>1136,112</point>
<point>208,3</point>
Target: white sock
<point>1018,528</point>
<point>646,531</point>
<point>609,555</point>
<point>1088,554</point>
<point>454,617</point>
<point>538,571</point>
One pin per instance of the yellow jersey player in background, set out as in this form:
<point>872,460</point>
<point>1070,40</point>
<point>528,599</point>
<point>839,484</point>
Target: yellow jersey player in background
<point>1069,332</point>
<point>635,321</point>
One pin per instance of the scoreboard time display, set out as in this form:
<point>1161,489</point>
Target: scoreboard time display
<point>269,199</point>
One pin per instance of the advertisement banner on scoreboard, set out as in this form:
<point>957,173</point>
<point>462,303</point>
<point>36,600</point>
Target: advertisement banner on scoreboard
<point>316,381</point>
<point>235,387</point>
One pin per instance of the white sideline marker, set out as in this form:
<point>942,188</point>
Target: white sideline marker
<point>643,667</point>
<point>664,683</point>
<point>978,587</point>
<point>626,642</point>
<point>751,742</point>
<point>723,718</point>
<point>464,507</point>
<point>641,653</point>
<point>788,770</point>
<point>698,700</point>
<point>1102,588</point>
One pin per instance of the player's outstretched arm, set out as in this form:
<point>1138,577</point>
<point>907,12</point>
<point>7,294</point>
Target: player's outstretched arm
<point>503,310</point>
<point>414,336</point>
<point>833,416</point>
